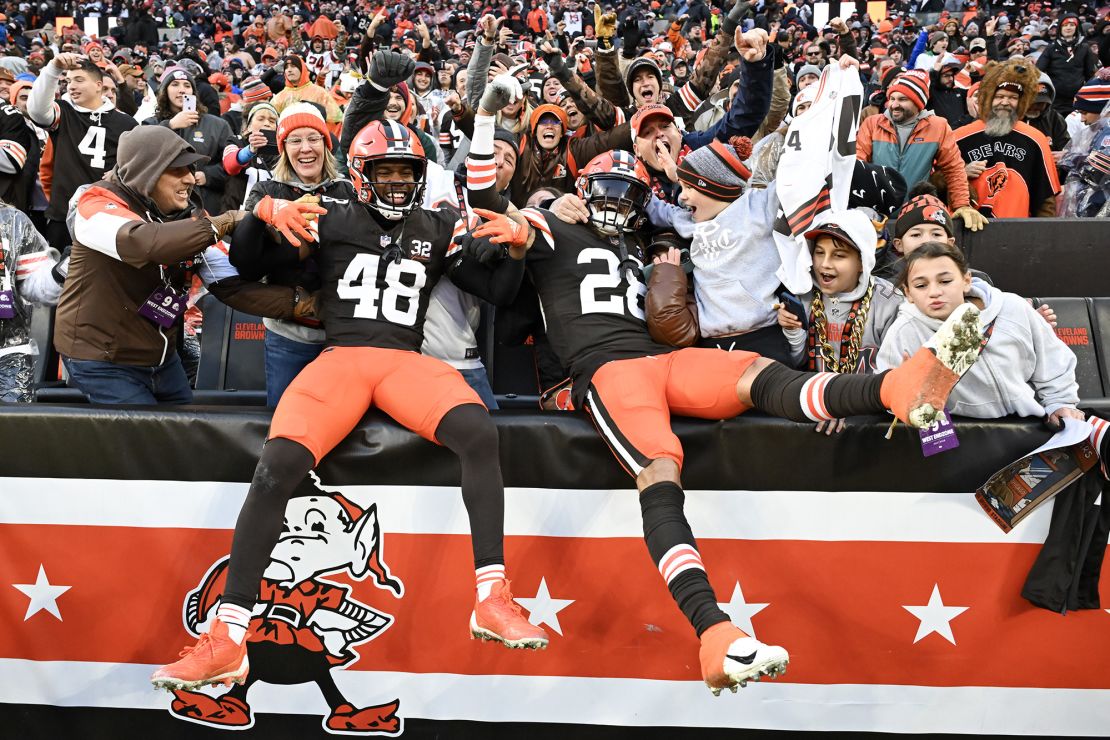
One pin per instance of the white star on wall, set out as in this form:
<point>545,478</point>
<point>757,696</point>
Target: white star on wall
<point>543,609</point>
<point>43,594</point>
<point>935,617</point>
<point>741,612</point>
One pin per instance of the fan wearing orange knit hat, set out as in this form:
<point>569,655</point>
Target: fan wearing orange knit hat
<point>301,115</point>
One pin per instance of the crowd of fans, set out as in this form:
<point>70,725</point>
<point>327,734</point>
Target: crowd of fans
<point>972,111</point>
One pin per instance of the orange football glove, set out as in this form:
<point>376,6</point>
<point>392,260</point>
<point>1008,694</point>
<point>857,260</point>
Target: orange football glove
<point>289,217</point>
<point>501,229</point>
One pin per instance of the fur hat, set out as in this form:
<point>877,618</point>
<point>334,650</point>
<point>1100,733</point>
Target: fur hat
<point>1016,74</point>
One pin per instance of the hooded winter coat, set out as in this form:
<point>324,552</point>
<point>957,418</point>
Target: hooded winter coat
<point>125,248</point>
<point>307,92</point>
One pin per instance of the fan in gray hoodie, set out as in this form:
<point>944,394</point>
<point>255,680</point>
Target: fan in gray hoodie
<point>849,310</point>
<point>1024,369</point>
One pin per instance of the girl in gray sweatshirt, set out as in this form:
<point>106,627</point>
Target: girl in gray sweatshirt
<point>1024,368</point>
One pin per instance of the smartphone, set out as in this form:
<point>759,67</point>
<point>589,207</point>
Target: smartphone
<point>793,304</point>
<point>189,103</point>
<point>271,137</point>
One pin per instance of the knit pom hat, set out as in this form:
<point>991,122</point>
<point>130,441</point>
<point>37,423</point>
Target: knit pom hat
<point>718,169</point>
<point>301,115</point>
<point>923,209</point>
<point>914,85</point>
<point>176,72</point>
<point>1093,96</point>
<point>255,90</point>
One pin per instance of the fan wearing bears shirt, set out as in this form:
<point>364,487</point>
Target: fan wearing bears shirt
<point>1009,163</point>
<point>380,255</point>
<point>591,286</point>
<point>85,128</point>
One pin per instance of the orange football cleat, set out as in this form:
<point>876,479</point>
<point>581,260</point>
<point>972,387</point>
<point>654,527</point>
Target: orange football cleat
<point>730,658</point>
<point>916,391</point>
<point>216,658</point>
<point>498,617</point>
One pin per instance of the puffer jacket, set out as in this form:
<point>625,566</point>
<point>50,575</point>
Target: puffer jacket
<point>930,145</point>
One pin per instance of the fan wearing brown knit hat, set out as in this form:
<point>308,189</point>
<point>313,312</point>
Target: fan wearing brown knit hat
<point>1009,163</point>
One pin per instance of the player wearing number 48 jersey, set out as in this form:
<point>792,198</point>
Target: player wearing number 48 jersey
<point>379,254</point>
<point>591,287</point>
<point>85,128</point>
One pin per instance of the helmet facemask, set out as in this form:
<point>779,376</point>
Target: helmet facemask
<point>392,198</point>
<point>616,204</point>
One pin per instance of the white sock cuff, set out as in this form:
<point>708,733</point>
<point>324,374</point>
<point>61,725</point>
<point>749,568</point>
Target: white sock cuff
<point>233,614</point>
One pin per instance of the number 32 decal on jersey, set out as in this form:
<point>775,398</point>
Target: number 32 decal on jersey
<point>398,303</point>
<point>631,303</point>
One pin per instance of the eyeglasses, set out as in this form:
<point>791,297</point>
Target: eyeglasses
<point>297,141</point>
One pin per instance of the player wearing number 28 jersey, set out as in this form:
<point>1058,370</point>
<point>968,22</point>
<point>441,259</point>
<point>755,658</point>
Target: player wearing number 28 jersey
<point>591,288</point>
<point>380,255</point>
<point>85,128</point>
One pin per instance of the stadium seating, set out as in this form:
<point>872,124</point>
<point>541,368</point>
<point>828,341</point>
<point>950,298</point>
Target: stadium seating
<point>1034,257</point>
<point>231,349</point>
<point>1075,328</point>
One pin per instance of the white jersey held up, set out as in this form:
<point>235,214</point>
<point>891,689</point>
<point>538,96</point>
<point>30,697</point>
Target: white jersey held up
<point>815,171</point>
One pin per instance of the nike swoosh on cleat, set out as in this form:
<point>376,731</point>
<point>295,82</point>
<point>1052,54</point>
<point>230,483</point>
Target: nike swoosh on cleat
<point>746,660</point>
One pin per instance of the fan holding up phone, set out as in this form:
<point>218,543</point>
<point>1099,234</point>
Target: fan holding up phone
<point>251,158</point>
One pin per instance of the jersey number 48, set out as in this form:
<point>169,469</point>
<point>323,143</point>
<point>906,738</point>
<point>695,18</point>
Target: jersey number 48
<point>398,303</point>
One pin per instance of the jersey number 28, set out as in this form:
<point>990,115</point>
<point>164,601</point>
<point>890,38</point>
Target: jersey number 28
<point>631,302</point>
<point>399,303</point>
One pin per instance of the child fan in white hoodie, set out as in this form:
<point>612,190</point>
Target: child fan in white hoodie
<point>849,310</point>
<point>1024,368</point>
